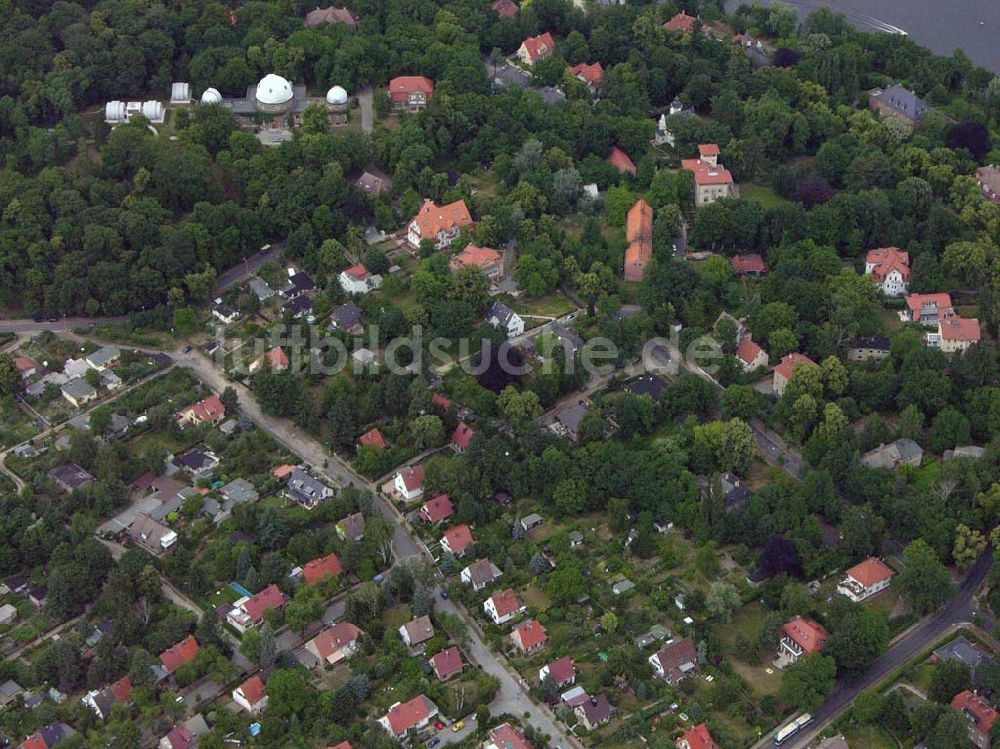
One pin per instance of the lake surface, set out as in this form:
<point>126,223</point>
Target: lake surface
<point>940,25</point>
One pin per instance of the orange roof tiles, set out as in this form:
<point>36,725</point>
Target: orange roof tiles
<point>321,568</point>
<point>252,689</point>
<point>681,22</point>
<point>870,572</point>
<point>592,73</point>
<point>747,351</point>
<point>373,438</point>
<point>808,634</point>
<point>639,235</point>
<point>539,47</point>
<point>459,538</point>
<point>707,174</point>
<point>402,86</point>
<point>180,654</point>
<point>620,160</point>
<point>957,328</point>
<point>790,361</point>
<point>433,219</point>
<point>886,260</point>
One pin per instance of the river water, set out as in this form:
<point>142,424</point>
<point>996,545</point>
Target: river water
<point>940,25</point>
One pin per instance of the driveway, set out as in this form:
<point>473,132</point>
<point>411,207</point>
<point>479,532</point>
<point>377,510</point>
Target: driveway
<point>367,109</point>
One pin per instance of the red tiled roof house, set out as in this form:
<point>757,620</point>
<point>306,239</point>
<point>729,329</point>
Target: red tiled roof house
<point>712,181</point>
<point>207,411</point>
<point>529,636</point>
<point>249,612</point>
<point>865,580</point>
<point>409,483</point>
<point>675,661</point>
<point>321,568</point>
<point>447,663</point>
<point>456,541</point>
<point>503,606</point>
<point>435,510</point>
<point>889,268</point>
<point>697,738</point>
<point>536,48</point>
<point>786,369</point>
<point>980,714</point>
<point>335,644</point>
<point>410,93</point>
<point>561,671</point>
<point>801,637</point>
<point>250,695</point>
<point>488,260</point>
<point>404,717</point>
<point>620,161</point>
<point>181,654</point>
<point>440,224</point>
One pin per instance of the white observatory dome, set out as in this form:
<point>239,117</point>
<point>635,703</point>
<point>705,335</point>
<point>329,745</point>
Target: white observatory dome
<point>336,95</point>
<point>211,96</point>
<point>273,89</point>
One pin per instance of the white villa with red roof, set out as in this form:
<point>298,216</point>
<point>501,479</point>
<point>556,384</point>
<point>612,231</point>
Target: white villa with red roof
<point>488,260</point>
<point>889,267</point>
<point>250,695</point>
<point>536,48</point>
<point>439,223</point>
<point>955,334</point>
<point>561,671</point>
<point>410,92</point>
<point>712,181</point>
<point>456,541</point>
<point>210,410</point>
<point>404,717</point>
<point>866,579</point>
<point>409,483</point>
<point>750,355</point>
<point>503,606</point>
<point>248,612</point>
<point>799,637</point>
<point>435,510</point>
<point>784,371</point>
<point>357,280</point>
<point>529,636</point>
<point>505,736</point>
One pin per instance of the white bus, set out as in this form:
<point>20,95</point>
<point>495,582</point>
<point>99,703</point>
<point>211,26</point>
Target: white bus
<point>780,737</point>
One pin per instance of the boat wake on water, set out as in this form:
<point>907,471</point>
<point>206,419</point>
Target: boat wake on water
<point>858,17</point>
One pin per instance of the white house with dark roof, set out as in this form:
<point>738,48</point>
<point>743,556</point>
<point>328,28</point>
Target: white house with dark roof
<point>504,317</point>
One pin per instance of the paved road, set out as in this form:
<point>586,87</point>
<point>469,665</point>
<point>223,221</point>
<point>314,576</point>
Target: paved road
<point>300,443</point>
<point>512,697</point>
<point>242,271</point>
<point>957,611</point>
<point>365,103</point>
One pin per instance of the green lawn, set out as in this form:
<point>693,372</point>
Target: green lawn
<point>550,305</point>
<point>767,197</point>
<point>870,737</point>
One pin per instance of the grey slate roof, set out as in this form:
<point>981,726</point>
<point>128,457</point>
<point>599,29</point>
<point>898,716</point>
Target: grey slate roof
<point>902,100</point>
